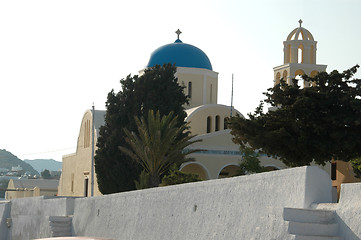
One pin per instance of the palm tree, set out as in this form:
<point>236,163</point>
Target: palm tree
<point>158,145</point>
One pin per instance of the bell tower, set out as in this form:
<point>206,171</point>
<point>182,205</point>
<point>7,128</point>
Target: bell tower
<point>299,57</point>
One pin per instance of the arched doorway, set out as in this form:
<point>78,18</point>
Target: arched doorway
<point>228,171</point>
<point>197,169</point>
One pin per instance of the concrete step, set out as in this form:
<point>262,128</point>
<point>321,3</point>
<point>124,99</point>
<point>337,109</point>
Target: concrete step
<point>301,237</point>
<point>59,219</point>
<point>308,215</point>
<point>61,234</point>
<point>313,229</point>
<point>61,229</point>
<point>60,226</point>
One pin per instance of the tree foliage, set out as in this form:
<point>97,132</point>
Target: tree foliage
<point>250,163</point>
<point>158,144</point>
<point>46,174</point>
<point>356,165</point>
<point>317,123</point>
<point>177,177</point>
<point>156,89</point>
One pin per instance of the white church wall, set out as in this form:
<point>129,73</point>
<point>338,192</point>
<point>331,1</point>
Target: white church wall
<point>247,207</point>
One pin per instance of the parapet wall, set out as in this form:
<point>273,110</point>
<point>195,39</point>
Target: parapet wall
<point>246,207</point>
<point>349,211</point>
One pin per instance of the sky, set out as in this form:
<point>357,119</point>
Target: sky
<point>57,58</point>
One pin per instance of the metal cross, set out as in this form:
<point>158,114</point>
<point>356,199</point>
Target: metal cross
<point>300,21</point>
<point>178,32</point>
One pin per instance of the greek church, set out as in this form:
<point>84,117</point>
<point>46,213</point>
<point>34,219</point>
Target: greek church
<point>220,157</point>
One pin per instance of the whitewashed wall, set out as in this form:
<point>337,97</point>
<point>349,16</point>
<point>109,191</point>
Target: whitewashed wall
<point>247,207</point>
<point>4,214</point>
<point>29,215</point>
<point>349,211</point>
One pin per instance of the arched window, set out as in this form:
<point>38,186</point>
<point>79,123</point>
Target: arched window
<point>190,89</point>
<point>285,76</point>
<point>288,54</point>
<point>300,54</point>
<point>209,124</point>
<point>312,55</point>
<point>278,78</point>
<point>210,94</point>
<point>218,122</point>
<point>86,134</point>
<point>225,123</point>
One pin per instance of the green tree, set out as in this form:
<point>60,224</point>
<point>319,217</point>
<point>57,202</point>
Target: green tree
<point>3,185</point>
<point>158,144</point>
<point>250,163</point>
<point>45,174</point>
<point>356,165</point>
<point>177,177</point>
<point>317,123</point>
<point>156,89</point>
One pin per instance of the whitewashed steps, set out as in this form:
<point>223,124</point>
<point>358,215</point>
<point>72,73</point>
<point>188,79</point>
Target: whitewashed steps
<point>311,224</point>
<point>60,226</point>
<point>300,237</point>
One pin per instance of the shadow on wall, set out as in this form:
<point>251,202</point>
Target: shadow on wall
<point>345,232</point>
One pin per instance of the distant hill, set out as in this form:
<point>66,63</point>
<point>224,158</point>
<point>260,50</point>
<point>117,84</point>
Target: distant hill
<point>42,164</point>
<point>8,160</point>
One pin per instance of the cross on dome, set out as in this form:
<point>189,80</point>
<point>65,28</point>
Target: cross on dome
<point>178,32</point>
<point>300,21</point>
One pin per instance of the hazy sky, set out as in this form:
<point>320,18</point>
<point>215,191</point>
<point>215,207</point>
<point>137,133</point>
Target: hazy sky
<point>58,57</point>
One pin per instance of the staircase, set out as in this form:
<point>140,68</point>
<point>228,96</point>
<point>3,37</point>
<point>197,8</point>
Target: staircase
<point>60,226</point>
<point>311,224</point>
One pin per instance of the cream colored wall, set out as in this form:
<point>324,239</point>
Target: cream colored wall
<point>35,192</point>
<point>77,166</point>
<point>344,174</point>
<point>202,80</point>
<point>198,117</point>
<point>293,68</point>
<point>222,152</point>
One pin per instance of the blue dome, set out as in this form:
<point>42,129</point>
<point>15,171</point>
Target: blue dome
<point>180,54</point>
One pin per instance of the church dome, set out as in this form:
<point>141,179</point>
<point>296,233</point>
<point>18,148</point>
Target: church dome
<point>180,54</point>
<point>295,34</point>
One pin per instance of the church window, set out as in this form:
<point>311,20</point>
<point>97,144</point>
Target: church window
<point>300,54</point>
<point>87,134</point>
<point>284,75</point>
<point>210,94</point>
<point>312,60</point>
<point>225,123</point>
<point>333,171</point>
<point>288,54</point>
<point>209,122</point>
<point>278,78</point>
<point>218,120</point>
<point>190,89</point>
<point>86,184</point>
<point>72,183</point>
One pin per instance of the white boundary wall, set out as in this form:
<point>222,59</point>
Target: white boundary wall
<point>349,211</point>
<point>247,207</point>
